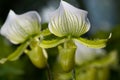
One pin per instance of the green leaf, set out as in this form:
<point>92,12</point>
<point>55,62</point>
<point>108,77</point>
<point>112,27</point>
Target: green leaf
<point>16,54</point>
<point>51,43</point>
<point>100,43</point>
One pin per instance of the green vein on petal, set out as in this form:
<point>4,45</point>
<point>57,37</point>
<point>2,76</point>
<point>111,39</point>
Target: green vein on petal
<point>99,43</point>
<point>51,43</point>
<point>16,54</point>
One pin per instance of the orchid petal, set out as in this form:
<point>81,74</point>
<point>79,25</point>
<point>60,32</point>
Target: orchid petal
<point>45,32</point>
<point>85,54</point>
<point>68,20</point>
<point>18,28</point>
<point>100,43</point>
<point>16,54</point>
<point>51,43</point>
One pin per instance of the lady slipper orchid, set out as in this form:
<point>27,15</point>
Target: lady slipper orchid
<point>69,23</point>
<point>19,28</point>
<point>25,29</point>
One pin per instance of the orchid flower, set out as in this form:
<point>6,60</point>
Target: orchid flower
<point>69,24</point>
<point>19,28</point>
<point>24,29</point>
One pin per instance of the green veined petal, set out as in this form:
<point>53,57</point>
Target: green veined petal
<point>68,20</point>
<point>16,54</point>
<point>51,43</point>
<point>100,43</point>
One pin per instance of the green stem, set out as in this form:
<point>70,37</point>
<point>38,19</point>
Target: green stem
<point>66,41</point>
<point>49,74</point>
<point>65,44</point>
<point>73,74</point>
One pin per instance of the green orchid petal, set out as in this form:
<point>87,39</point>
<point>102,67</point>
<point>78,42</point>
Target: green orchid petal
<point>18,28</point>
<point>100,43</point>
<point>51,43</point>
<point>85,54</point>
<point>16,54</point>
<point>68,20</point>
<point>45,32</point>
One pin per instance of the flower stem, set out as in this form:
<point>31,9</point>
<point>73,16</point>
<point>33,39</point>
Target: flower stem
<point>73,74</point>
<point>49,74</point>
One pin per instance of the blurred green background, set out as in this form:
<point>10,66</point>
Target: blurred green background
<point>104,16</point>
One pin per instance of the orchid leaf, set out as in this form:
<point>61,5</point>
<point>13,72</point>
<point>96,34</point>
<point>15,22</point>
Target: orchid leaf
<point>16,54</point>
<point>51,43</point>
